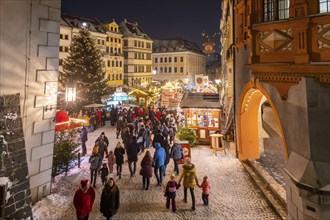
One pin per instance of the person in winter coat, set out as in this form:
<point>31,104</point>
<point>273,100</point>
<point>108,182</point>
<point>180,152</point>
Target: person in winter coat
<point>158,138</point>
<point>95,161</point>
<point>189,177</point>
<point>104,171</point>
<point>206,187</point>
<point>167,152</point>
<point>146,170</point>
<point>110,199</point>
<point>132,155</point>
<point>83,139</point>
<point>159,162</point>
<point>83,200</point>
<point>176,155</point>
<point>111,161</point>
<point>141,137</point>
<point>170,192</point>
<point>119,154</point>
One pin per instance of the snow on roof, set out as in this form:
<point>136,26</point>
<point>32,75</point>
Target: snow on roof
<point>74,21</point>
<point>130,29</point>
<point>175,45</point>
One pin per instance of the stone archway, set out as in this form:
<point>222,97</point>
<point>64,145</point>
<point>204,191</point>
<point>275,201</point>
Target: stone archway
<point>249,121</point>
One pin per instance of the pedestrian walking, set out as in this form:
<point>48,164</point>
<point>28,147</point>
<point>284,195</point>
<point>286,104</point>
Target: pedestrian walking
<point>132,155</point>
<point>141,138</point>
<point>159,162</point>
<point>83,200</point>
<point>111,161</point>
<point>104,171</point>
<point>110,199</point>
<point>176,154</point>
<point>189,179</point>
<point>119,154</point>
<point>206,187</point>
<point>170,192</point>
<point>95,160</point>
<point>83,139</point>
<point>146,170</point>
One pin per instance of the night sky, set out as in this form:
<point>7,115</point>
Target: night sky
<point>158,18</point>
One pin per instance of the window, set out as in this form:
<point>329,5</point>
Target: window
<point>119,50</point>
<point>170,59</point>
<point>125,43</point>
<point>66,37</point>
<point>324,6</point>
<point>161,69</point>
<point>111,50</point>
<point>113,63</point>
<point>113,77</point>
<point>60,62</point>
<point>181,69</point>
<point>119,40</point>
<point>165,69</point>
<point>165,59</point>
<point>156,60</point>
<point>175,59</point>
<point>61,36</point>
<point>117,63</point>
<point>181,59</point>
<point>120,76</point>
<point>169,69</point>
<point>107,39</point>
<point>175,69</point>
<point>135,43</point>
<point>98,41</point>
<point>276,9</point>
<point>111,28</point>
<point>161,59</point>
<point>116,76</point>
<point>111,39</point>
<point>61,49</point>
<point>108,63</point>
<point>120,64</point>
<point>107,50</point>
<point>115,40</point>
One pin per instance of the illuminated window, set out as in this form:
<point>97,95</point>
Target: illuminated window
<point>324,6</point>
<point>276,9</point>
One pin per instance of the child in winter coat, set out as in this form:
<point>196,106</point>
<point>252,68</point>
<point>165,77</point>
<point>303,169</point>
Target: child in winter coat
<point>111,161</point>
<point>104,173</point>
<point>170,192</point>
<point>206,187</point>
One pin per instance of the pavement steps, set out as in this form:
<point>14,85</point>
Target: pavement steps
<point>274,194</point>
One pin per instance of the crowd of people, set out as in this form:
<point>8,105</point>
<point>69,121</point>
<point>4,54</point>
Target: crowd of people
<point>139,129</point>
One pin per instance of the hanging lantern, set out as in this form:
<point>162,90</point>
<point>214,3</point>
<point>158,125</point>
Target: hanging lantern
<point>70,93</point>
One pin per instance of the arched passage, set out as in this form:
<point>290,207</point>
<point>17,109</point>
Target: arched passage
<point>249,123</point>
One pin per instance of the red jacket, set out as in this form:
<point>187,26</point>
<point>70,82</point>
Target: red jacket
<point>83,201</point>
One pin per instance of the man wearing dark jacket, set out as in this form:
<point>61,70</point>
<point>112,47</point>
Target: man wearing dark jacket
<point>132,151</point>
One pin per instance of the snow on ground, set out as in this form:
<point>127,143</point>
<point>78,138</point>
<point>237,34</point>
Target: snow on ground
<point>233,196</point>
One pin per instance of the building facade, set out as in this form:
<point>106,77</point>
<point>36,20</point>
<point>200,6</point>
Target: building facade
<point>28,96</point>
<point>137,48</point>
<point>282,56</point>
<point>177,58</point>
<point>107,38</point>
<point>227,64</point>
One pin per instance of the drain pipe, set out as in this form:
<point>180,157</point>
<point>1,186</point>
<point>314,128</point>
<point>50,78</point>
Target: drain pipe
<point>234,77</point>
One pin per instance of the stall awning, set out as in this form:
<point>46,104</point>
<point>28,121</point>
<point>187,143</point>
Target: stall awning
<point>200,100</point>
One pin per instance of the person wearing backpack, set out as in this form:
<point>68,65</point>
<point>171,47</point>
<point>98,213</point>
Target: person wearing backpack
<point>176,155</point>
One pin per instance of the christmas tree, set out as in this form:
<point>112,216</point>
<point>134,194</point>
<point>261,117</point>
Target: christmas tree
<point>83,67</point>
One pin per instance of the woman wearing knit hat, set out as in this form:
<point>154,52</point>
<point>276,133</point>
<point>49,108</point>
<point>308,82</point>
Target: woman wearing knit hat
<point>83,200</point>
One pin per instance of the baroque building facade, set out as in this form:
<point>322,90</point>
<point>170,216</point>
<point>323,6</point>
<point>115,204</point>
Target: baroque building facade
<point>108,39</point>
<point>282,56</point>
<point>177,58</point>
<point>137,48</point>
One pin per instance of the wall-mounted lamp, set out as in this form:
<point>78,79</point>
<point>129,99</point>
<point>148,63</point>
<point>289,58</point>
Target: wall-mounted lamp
<point>49,108</point>
<point>70,93</point>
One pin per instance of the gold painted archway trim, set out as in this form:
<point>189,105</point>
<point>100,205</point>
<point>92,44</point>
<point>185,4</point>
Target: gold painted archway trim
<point>247,115</point>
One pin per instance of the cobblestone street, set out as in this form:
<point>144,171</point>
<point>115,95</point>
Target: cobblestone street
<point>233,195</point>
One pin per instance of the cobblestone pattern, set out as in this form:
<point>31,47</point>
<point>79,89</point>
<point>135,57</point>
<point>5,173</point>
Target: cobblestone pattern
<point>13,163</point>
<point>233,195</point>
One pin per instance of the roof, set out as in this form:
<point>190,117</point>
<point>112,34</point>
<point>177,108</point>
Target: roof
<point>74,21</point>
<point>130,29</point>
<point>175,45</point>
<point>200,100</point>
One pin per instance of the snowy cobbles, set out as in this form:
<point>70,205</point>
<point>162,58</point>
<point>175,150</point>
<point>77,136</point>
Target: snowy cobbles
<point>232,196</point>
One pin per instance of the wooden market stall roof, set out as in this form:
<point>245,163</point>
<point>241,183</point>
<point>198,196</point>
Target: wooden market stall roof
<point>138,93</point>
<point>201,100</point>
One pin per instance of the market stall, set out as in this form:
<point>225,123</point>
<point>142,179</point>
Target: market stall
<point>202,113</point>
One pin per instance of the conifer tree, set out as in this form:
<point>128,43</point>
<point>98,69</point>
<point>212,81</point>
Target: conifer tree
<point>83,67</point>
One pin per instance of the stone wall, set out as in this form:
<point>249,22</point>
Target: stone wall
<point>29,47</point>
<point>13,163</point>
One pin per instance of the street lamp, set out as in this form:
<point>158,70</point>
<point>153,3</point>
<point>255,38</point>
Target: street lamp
<point>154,72</point>
<point>70,93</point>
